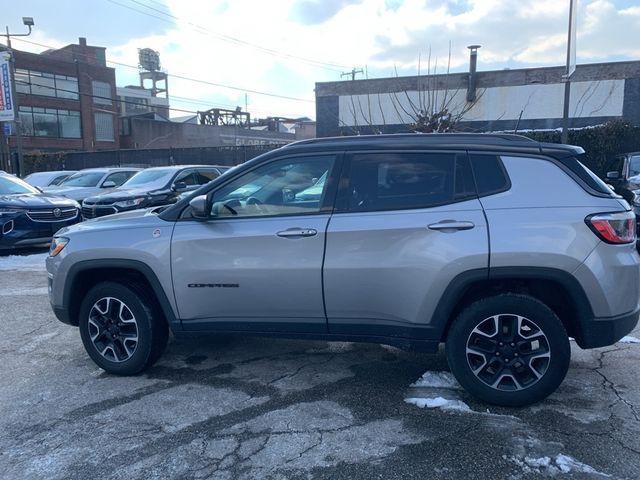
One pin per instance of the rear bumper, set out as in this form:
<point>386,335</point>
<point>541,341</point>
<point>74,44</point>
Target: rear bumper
<point>600,332</point>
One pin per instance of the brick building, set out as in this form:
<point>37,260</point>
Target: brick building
<point>67,100</point>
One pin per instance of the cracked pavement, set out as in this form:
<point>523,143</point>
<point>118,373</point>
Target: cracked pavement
<point>245,408</point>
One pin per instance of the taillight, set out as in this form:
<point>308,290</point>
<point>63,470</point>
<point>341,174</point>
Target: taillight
<point>613,227</point>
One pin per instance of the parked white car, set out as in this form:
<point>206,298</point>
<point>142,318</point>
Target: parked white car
<point>48,179</point>
<point>92,181</point>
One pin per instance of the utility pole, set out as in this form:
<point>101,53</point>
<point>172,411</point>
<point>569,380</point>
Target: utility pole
<point>352,73</point>
<point>571,67</point>
<point>28,22</point>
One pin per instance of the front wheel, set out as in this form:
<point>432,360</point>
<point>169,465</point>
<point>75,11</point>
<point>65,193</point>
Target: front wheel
<point>509,350</point>
<point>121,330</point>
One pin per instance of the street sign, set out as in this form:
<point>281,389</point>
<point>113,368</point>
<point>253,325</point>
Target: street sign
<point>7,110</point>
<point>6,127</point>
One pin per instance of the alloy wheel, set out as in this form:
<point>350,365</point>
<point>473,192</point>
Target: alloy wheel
<point>113,329</point>
<point>508,352</point>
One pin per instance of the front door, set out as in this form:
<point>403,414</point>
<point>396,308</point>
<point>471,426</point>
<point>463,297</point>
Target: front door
<point>256,264</point>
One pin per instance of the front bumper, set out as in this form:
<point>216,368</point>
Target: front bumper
<point>600,332</point>
<point>20,231</point>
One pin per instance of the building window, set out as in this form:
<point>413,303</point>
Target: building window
<point>50,122</point>
<point>101,93</point>
<point>104,127</point>
<point>33,82</point>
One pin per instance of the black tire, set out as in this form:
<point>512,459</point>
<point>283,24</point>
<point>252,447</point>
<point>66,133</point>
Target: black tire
<point>122,340</point>
<point>527,331</point>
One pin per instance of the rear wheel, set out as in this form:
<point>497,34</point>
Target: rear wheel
<point>121,330</point>
<point>509,350</point>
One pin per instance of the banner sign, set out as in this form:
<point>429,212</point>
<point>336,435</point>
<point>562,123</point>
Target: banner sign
<point>7,111</point>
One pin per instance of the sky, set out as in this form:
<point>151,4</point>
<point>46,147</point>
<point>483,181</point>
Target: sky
<point>273,52</point>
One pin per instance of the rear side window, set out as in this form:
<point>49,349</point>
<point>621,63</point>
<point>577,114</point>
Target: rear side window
<point>490,175</point>
<point>396,181</point>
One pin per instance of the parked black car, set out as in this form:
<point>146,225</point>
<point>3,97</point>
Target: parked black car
<point>149,188</point>
<point>30,217</point>
<point>623,174</point>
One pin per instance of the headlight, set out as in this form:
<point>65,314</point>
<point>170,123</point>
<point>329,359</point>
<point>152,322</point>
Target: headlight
<point>57,245</point>
<point>10,211</point>
<point>133,202</point>
<point>636,197</point>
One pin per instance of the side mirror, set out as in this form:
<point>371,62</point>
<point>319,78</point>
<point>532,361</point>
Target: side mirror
<point>108,184</point>
<point>179,187</point>
<point>614,175</point>
<point>199,208</point>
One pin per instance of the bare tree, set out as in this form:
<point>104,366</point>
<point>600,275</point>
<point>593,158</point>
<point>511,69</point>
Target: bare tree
<point>432,109</point>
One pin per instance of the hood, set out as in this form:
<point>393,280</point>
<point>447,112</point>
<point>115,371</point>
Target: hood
<point>121,194</point>
<point>132,219</point>
<point>77,193</point>
<point>36,200</point>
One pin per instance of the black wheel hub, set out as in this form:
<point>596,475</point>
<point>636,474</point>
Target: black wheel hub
<point>508,352</point>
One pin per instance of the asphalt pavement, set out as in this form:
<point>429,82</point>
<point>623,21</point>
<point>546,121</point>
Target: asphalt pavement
<point>255,408</point>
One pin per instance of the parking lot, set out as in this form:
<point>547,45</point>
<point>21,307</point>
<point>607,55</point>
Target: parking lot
<point>261,408</point>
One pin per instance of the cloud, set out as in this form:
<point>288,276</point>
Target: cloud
<point>313,12</point>
<point>310,41</point>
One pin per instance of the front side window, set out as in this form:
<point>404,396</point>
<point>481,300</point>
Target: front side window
<point>396,181</point>
<point>275,189</point>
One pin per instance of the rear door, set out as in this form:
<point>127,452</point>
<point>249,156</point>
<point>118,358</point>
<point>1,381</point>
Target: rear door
<point>256,264</point>
<point>406,224</point>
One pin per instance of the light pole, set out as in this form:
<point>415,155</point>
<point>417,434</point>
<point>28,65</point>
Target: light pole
<point>28,22</point>
<point>571,67</point>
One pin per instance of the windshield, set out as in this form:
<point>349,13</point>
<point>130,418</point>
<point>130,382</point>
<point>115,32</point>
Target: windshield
<point>11,185</point>
<point>83,179</point>
<point>150,178</point>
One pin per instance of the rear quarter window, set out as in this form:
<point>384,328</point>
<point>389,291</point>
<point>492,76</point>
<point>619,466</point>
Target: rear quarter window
<point>489,173</point>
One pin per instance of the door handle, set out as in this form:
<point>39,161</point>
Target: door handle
<point>451,226</point>
<point>297,232</point>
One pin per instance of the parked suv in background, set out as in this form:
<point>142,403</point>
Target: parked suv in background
<point>149,188</point>
<point>30,217</point>
<point>92,181</point>
<point>414,240</point>
<point>623,174</point>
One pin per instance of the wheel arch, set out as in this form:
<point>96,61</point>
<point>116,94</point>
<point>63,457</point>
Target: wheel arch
<point>82,276</point>
<point>558,289</point>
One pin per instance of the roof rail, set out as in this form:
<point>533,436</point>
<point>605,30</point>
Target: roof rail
<point>462,138</point>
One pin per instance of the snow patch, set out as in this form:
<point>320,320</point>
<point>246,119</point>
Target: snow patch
<point>439,402</point>
<point>629,339</point>
<point>553,465</point>
<point>437,380</point>
<point>25,263</point>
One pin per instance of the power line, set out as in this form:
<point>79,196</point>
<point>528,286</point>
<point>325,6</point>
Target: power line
<point>117,100</point>
<point>196,80</point>
<point>228,38</point>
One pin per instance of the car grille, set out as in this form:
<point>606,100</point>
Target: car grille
<point>52,214</point>
<point>93,211</point>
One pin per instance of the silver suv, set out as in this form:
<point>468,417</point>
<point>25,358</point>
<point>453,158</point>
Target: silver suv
<point>496,245</point>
